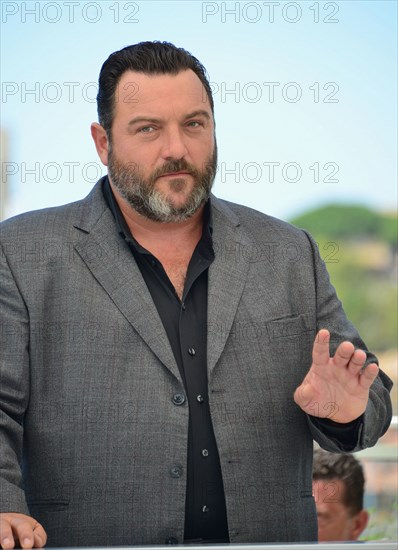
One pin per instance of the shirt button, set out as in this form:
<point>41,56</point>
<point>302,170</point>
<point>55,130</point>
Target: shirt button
<point>205,452</point>
<point>178,399</point>
<point>205,509</point>
<point>192,351</point>
<point>176,471</point>
<point>199,399</point>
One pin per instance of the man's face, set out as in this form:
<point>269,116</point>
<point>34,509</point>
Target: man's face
<point>335,521</point>
<point>162,157</point>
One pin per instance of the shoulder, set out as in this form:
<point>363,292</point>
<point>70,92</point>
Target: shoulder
<point>54,222</point>
<point>258,224</point>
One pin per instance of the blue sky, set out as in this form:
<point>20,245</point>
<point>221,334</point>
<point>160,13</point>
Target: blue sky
<point>328,130</point>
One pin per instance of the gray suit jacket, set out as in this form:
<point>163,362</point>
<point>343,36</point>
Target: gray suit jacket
<point>92,444</point>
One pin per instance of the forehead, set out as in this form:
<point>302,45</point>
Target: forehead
<point>159,94</point>
<point>329,493</point>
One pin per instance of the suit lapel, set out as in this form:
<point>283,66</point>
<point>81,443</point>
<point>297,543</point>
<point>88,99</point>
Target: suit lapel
<point>110,261</point>
<point>227,276</point>
<point>112,264</point>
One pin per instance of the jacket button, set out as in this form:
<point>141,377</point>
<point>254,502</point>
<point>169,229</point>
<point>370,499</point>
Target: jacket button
<point>199,399</point>
<point>171,540</point>
<point>205,452</point>
<point>192,351</point>
<point>176,471</point>
<point>178,399</point>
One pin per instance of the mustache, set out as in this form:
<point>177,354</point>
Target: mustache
<point>175,165</point>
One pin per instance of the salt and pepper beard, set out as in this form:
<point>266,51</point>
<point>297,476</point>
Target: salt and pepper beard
<point>142,195</point>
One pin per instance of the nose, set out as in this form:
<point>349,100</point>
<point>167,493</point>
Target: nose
<point>174,145</point>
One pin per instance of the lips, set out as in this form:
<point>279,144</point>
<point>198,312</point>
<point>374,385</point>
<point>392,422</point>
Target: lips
<point>176,174</point>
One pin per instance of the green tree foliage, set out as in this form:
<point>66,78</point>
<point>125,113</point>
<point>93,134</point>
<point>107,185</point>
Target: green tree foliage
<point>341,221</point>
<point>362,266</point>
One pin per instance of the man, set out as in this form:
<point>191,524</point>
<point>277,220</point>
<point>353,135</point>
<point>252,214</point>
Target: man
<point>338,484</point>
<point>156,374</point>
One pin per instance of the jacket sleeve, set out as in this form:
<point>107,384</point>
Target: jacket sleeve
<point>14,388</point>
<point>377,417</point>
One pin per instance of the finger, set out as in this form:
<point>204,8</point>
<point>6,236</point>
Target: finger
<point>40,536</point>
<point>320,351</point>
<point>343,354</point>
<point>23,532</point>
<point>368,375</point>
<point>357,361</point>
<point>6,538</point>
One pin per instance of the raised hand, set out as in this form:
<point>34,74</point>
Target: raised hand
<point>336,387</point>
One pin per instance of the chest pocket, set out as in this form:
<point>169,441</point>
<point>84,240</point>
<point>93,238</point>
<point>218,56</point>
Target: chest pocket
<point>289,326</point>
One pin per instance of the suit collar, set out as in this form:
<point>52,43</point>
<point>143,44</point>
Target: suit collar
<point>91,208</point>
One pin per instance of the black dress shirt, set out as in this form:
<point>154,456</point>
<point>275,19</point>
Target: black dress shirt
<point>185,323</point>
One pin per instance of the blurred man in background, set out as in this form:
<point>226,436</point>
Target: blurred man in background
<point>339,483</point>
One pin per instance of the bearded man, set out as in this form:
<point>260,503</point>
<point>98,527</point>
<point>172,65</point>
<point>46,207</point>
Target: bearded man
<point>157,385</point>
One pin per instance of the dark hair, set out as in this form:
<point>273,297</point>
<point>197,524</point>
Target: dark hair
<point>148,58</point>
<point>344,467</point>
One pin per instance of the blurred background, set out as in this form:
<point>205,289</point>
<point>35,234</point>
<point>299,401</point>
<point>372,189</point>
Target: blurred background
<point>305,104</point>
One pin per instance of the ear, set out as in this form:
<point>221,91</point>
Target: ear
<point>360,521</point>
<point>101,141</point>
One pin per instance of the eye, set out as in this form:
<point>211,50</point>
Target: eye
<point>146,129</point>
<point>194,124</point>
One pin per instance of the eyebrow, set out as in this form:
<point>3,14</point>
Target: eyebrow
<point>199,112</point>
<point>137,120</point>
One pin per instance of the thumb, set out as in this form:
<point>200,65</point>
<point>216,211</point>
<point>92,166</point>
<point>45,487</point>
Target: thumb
<point>304,395</point>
